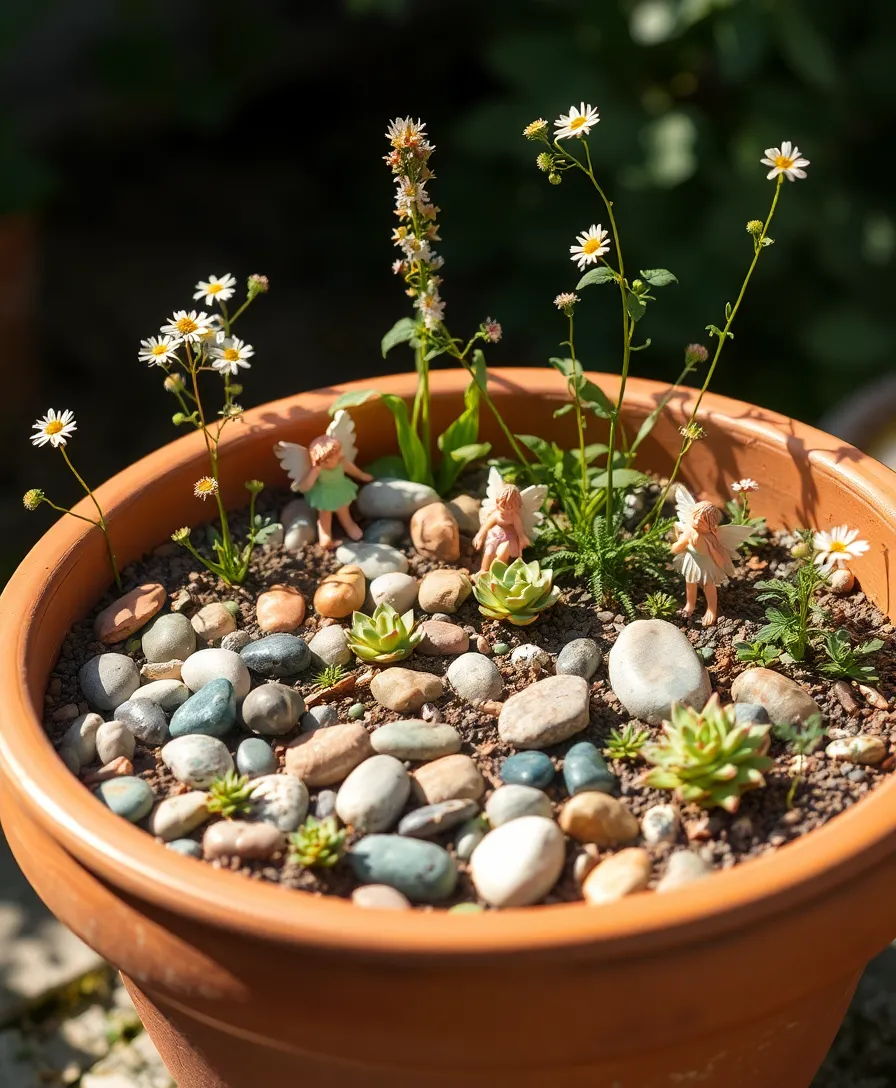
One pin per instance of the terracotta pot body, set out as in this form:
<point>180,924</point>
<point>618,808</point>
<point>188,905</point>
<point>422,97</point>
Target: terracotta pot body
<point>737,981</point>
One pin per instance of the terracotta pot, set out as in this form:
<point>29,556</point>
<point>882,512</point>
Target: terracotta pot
<point>738,981</point>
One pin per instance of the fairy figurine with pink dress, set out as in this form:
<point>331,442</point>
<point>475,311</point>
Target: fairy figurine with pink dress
<point>322,472</point>
<point>704,551</point>
<point>508,520</point>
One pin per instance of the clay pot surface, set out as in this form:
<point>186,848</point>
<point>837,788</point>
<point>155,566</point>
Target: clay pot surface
<point>736,981</point>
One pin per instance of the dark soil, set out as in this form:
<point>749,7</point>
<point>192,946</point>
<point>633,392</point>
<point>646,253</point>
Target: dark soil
<point>763,823</point>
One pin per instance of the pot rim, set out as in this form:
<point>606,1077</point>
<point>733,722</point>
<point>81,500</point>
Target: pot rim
<point>131,860</point>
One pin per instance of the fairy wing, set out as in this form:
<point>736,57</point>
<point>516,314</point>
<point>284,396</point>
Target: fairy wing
<point>492,491</point>
<point>295,461</point>
<point>343,429</point>
<point>533,498</point>
<point>684,506</point>
<point>732,536</point>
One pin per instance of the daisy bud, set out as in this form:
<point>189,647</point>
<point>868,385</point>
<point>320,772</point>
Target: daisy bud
<point>544,161</point>
<point>802,550</point>
<point>257,285</point>
<point>566,302</point>
<point>180,536</point>
<point>693,432</point>
<point>178,418</point>
<point>536,130</point>
<point>694,354</point>
<point>33,498</point>
<point>638,286</point>
<point>554,178</point>
<point>174,383</point>
<point>254,487</point>
<point>235,389</point>
<point>754,227</point>
<point>491,330</point>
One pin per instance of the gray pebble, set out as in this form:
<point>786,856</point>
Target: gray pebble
<point>255,757</point>
<point>145,720</point>
<point>187,847</point>
<point>415,740</point>
<point>300,532</point>
<point>169,694</point>
<point>545,713</point>
<point>581,657</point>
<point>80,737</point>
<point>170,637</point>
<point>325,805</point>
<point>108,680</point>
<point>397,499</point>
<point>329,645</point>
<point>385,531</point>
<point>206,665</point>
<point>431,820</point>
<point>319,717</point>
<point>469,837</point>
<point>272,710</point>
<point>114,741</point>
<point>235,641</point>
<point>373,559</point>
<point>197,760</point>
<point>126,796</point>
<point>475,678</point>
<point>277,656</point>
<point>279,799</point>
<point>421,870</point>
<point>750,712</point>
<point>683,867</point>
<point>511,802</point>
<point>653,665</point>
<point>371,798</point>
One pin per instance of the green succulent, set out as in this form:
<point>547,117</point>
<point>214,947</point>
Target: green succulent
<point>317,843</point>
<point>383,637</point>
<point>626,744</point>
<point>230,795</point>
<point>515,593</point>
<point>329,676</point>
<point>659,604</point>
<point>707,757</point>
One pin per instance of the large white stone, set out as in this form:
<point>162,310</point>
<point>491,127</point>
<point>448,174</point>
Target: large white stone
<point>394,498</point>
<point>371,799</point>
<point>652,665</point>
<point>207,665</point>
<point>518,863</point>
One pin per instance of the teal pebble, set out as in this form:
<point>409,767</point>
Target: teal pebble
<point>277,656</point>
<point>187,847</point>
<point>706,654</point>
<point>528,769</point>
<point>584,770</point>
<point>500,649</point>
<point>254,757</point>
<point>211,712</point>
<point>126,796</point>
<point>233,608</point>
<point>421,870</point>
<point>356,711</point>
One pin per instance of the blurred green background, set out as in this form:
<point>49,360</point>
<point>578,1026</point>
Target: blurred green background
<point>145,144</point>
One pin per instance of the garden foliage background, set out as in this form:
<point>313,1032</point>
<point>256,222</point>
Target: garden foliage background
<point>147,143</point>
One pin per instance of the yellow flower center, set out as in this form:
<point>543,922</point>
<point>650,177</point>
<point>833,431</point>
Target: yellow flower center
<point>837,546</point>
<point>783,162</point>
<point>160,349</point>
<point>578,122</point>
<point>214,288</point>
<point>205,485</point>
<point>591,246</point>
<point>186,325</point>
<point>231,355</point>
<point>53,427</point>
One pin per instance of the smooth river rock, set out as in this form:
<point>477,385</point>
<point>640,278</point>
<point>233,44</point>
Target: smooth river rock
<point>373,559</point>
<point>370,800</point>
<point>206,665</point>
<point>431,820</point>
<point>379,897</point>
<point>341,593</point>
<point>405,690</point>
<point>272,710</point>
<point>513,802</point>
<point>280,609</point>
<point>448,778</point>
<point>213,622</point>
<point>326,756</point>
<point>80,738</point>
<point>279,799</point>
<point>619,875</point>
<point>441,639</point>
<point>145,720</point>
<point>581,657</point>
<point>413,740</point>
<point>128,797</point>
<point>394,499</point>
<point>528,769</point>
<point>399,590</point>
<point>238,838</point>
<point>517,864</point>
<point>129,613</point>
<point>176,817</point>
<point>329,645</point>
<point>475,678</point>
<point>211,711</point>
<point>598,818</point>
<point>108,680</point>
<point>584,768</point>
<point>421,870</point>
<point>385,531</point>
<point>652,665</point>
<point>170,638</point>
<point>277,656</point>
<point>434,533</point>
<point>169,694</point>
<point>683,867</point>
<point>114,741</point>
<point>444,590</point>
<point>783,699</point>
<point>545,713</point>
<point>255,758</point>
<point>197,760</point>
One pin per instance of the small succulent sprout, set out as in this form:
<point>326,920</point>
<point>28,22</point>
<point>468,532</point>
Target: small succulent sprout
<point>659,604</point>
<point>626,743</point>
<point>317,843</point>
<point>707,758</point>
<point>515,593</point>
<point>230,795</point>
<point>383,637</point>
<point>329,676</point>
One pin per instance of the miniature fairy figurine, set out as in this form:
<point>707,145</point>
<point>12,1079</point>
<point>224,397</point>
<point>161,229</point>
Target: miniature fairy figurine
<point>321,471</point>
<point>704,551</point>
<point>508,520</point>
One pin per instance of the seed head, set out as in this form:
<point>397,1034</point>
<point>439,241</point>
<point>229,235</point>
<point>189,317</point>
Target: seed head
<point>33,498</point>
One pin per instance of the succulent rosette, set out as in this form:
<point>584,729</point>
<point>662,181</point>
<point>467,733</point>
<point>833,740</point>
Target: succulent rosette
<point>384,637</point>
<point>515,593</point>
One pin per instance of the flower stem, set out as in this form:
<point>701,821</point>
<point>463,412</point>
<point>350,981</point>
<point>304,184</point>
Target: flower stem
<point>577,404</point>
<point>101,524</point>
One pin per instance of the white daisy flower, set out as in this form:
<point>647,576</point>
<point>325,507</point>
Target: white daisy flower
<point>836,548</point>
<point>406,132</point>
<point>55,428</point>
<point>159,349</point>
<point>432,308</point>
<point>190,326</point>
<point>746,484</point>
<point>578,122</point>
<point>592,245</point>
<point>231,354</point>
<point>785,160</point>
<point>215,288</point>
<point>204,487</point>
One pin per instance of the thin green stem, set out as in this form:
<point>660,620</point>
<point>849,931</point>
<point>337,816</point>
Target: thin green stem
<point>577,404</point>
<point>101,524</point>
<point>71,513</point>
<point>226,541</point>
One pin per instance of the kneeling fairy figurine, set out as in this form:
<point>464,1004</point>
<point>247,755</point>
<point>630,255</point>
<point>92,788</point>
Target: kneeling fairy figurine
<point>508,519</point>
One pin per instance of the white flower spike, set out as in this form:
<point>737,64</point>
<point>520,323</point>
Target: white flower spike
<point>215,289</point>
<point>578,122</point>
<point>158,350</point>
<point>55,428</point>
<point>785,160</point>
<point>837,547</point>
<point>593,244</point>
<point>231,354</point>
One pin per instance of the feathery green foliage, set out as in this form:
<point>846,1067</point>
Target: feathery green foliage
<point>844,660</point>
<point>230,795</point>
<point>515,593</point>
<point>317,843</point>
<point>329,676</point>
<point>658,605</point>
<point>384,637</point>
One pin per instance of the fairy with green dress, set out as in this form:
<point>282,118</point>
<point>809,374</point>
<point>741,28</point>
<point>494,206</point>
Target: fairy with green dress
<point>322,473</point>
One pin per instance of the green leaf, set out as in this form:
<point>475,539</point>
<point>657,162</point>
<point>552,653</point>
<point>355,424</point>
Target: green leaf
<point>714,330</point>
<point>597,400</point>
<point>461,435</point>
<point>623,478</point>
<point>547,453</point>
<point>635,307</point>
<point>352,400</point>
<point>641,347</point>
<point>480,370</point>
<point>416,462</point>
<point>596,275</point>
<point>563,411</point>
<point>402,331</point>
<point>391,467</point>
<point>569,368</point>
<point>474,452</point>
<point>658,277</point>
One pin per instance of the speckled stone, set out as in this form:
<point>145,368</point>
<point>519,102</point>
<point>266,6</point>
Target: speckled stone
<point>211,712</point>
<point>326,756</point>
<point>581,657</point>
<point>213,621</point>
<point>598,818</point>
<point>585,769</point>
<point>176,817</point>
<point>207,665</point>
<point>405,690</point>
<point>114,741</point>
<point>128,797</point>
<point>517,864</point>
<point>145,720</point>
<point>235,641</point>
<point>371,798</point>
<point>330,646</point>
<point>528,769</point>
<point>416,740</point>
<point>197,760</point>
<point>108,680</point>
<point>448,778</point>
<point>169,694</point>
<point>238,838</point>
<point>660,823</point>
<point>421,870</point>
<point>255,757</point>
<point>530,656</point>
<point>277,656</point>
<point>325,805</point>
<point>380,897</point>
<point>152,671</point>
<point>272,710</point>
<point>432,820</point>
<point>279,799</point>
<point>171,637</point>
<point>475,678</point>
<point>545,713</point>
<point>513,802</point>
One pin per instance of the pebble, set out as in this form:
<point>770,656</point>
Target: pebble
<point>197,760</point>
<point>168,694</point>
<point>528,769</point>
<point>444,590</point>
<point>213,621</point>
<point>319,717</point>
<point>373,559</point>
<point>235,641</point>
<point>619,875</point>
<point>513,802</point>
<point>80,738</point>
<point>211,711</point>
<point>114,741</point>
<point>399,590</point>
<point>298,507</point>
<point>279,799</point>
<point>784,700</point>
<point>280,609</point>
<point>660,823</point>
<point>370,800</point>
<point>241,839</point>
<point>384,531</point>
<point>379,897</point>
<point>465,511</point>
<point>469,837</point>
<point>277,656</point>
<point>442,639</point>
<point>326,756</point>
<point>145,720</point>
<point>421,870</point>
<point>429,712</point>
<point>325,805</point>
<point>530,656</point>
<point>405,690</point>
<point>501,649</point>
<point>844,696</point>
<point>584,770</point>
<point>517,864</point>
<point>176,817</point>
<point>272,710</point>
<point>207,665</point>
<point>187,847</point>
<point>129,613</point>
<point>66,713</point>
<point>652,665</point>
<point>482,644</point>
<point>545,713</point>
<point>161,670</point>
<point>581,657</point>
<point>750,712</point>
<point>434,533</point>
<point>108,680</point>
<point>329,646</point>
<point>171,637</point>
<point>599,819</point>
<point>129,797</point>
<point>841,582</point>
<point>683,867</point>
<point>357,712</point>
<point>873,697</point>
<point>431,820</point>
<point>475,678</point>
<point>340,594</point>
<point>863,749</point>
<point>397,499</point>
<point>448,778</point>
<point>300,523</point>
<point>118,766</point>
<point>255,757</point>
<point>411,739</point>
